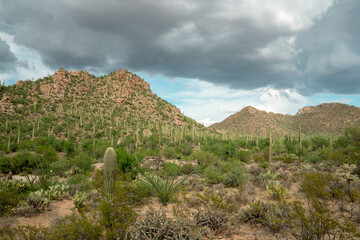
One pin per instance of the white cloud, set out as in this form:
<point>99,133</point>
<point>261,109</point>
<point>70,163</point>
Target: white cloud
<point>32,67</point>
<point>208,103</point>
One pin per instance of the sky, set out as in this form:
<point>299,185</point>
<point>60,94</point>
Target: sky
<point>209,58</point>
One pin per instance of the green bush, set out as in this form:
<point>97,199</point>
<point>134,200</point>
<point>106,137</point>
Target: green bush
<point>76,227</point>
<point>61,166</point>
<point>212,175</point>
<point>233,173</point>
<point>48,153</point>
<point>341,142</point>
<point>23,161</point>
<point>316,185</point>
<point>125,162</point>
<point>319,142</point>
<point>204,157</point>
<point>11,192</point>
<point>314,158</point>
<point>171,153</point>
<point>116,213</point>
<point>83,161</point>
<point>243,156</point>
<point>171,169</point>
<point>187,168</point>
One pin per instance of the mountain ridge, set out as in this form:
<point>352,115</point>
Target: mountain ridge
<point>325,118</point>
<point>76,105</point>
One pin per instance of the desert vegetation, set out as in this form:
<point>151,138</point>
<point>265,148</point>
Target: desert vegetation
<point>139,169</point>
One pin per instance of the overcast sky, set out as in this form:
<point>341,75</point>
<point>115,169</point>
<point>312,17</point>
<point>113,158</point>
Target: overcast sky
<point>209,58</point>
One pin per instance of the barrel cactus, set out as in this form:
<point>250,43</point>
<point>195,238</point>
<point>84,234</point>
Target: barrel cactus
<point>109,170</point>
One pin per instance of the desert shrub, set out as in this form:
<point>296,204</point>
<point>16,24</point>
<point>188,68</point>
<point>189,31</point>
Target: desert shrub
<point>213,199</point>
<point>260,157</point>
<point>100,148</point>
<point>171,169</point>
<point>315,185</point>
<point>5,164</point>
<point>78,182</point>
<point>317,223</point>
<point>69,147</point>
<point>204,157</point>
<point>83,161</point>
<point>48,153</point>
<point>264,165</point>
<point>314,158</point>
<point>214,219</point>
<point>319,142</point>
<point>24,232</point>
<point>171,153</point>
<point>233,173</point>
<point>214,211</point>
<point>76,227</point>
<point>125,162</point>
<point>11,192</point>
<point>352,135</point>
<point>187,169</point>
<point>23,161</point>
<point>256,213</point>
<point>272,216</point>
<point>339,156</point>
<point>341,142</point>
<point>212,175</point>
<point>243,156</point>
<point>227,151</point>
<point>186,148</point>
<point>27,144</point>
<point>157,225</point>
<point>116,213</point>
<point>61,166</point>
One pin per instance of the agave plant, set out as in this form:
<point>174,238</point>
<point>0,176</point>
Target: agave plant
<point>165,188</point>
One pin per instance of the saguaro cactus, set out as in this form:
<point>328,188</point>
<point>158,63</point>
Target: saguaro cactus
<point>300,146</point>
<point>270,145</point>
<point>109,170</point>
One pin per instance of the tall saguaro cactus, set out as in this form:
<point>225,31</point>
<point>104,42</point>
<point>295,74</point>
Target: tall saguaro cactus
<point>270,145</point>
<point>300,146</point>
<point>109,170</point>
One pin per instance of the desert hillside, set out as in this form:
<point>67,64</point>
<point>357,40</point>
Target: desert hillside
<point>323,119</point>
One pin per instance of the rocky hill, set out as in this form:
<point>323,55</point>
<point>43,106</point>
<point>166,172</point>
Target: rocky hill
<point>324,119</point>
<point>78,105</point>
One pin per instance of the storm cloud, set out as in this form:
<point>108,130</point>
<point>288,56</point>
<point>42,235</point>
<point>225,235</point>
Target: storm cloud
<point>8,60</point>
<point>310,46</point>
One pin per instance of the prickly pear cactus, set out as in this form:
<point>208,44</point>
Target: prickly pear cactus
<point>109,170</point>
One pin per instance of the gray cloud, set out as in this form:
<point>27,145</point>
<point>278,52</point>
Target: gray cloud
<point>311,47</point>
<point>8,60</point>
<point>330,60</point>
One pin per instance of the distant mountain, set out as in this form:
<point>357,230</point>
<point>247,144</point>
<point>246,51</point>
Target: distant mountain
<point>79,105</point>
<point>326,118</point>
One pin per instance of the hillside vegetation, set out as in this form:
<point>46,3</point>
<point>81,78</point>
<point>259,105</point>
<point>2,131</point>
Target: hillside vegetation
<point>85,157</point>
<point>327,119</point>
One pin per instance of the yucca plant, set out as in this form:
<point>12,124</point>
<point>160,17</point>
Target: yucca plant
<point>164,189</point>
